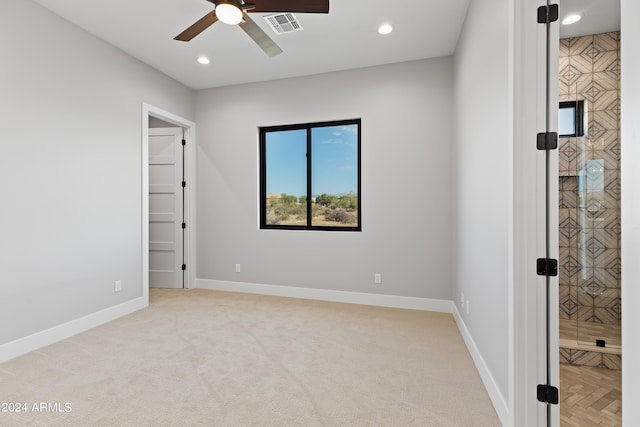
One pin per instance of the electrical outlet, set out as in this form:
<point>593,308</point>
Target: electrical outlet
<point>467,306</point>
<point>461,299</point>
<point>377,278</point>
<point>238,269</point>
<point>117,286</point>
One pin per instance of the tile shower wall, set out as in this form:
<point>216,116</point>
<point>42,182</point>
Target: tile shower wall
<point>590,221</point>
<point>590,358</point>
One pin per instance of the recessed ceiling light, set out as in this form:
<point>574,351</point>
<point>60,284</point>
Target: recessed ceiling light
<point>571,19</point>
<point>385,29</point>
<point>204,60</point>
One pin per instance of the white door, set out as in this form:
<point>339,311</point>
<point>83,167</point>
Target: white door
<point>166,211</point>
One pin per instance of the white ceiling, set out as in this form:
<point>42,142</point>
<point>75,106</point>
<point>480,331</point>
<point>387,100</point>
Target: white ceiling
<point>345,38</point>
<point>598,16</point>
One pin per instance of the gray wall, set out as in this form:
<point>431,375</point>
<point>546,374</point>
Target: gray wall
<point>406,213</point>
<point>70,109</point>
<point>483,158</point>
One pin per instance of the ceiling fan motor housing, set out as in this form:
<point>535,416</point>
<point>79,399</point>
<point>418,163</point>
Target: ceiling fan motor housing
<point>235,12</point>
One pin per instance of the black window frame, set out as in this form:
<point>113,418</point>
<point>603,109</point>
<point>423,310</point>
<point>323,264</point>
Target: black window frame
<point>578,117</point>
<point>263,131</point>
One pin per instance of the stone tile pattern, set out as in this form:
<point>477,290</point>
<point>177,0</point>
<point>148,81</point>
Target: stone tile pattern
<point>590,217</point>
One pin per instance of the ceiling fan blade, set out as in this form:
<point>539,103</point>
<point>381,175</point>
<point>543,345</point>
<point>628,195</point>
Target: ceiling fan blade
<point>260,37</point>
<point>201,25</point>
<point>297,6</point>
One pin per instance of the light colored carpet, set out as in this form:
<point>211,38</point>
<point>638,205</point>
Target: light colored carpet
<point>207,358</point>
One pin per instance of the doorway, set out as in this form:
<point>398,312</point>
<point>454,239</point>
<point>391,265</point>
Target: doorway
<point>168,245</point>
<point>589,227</point>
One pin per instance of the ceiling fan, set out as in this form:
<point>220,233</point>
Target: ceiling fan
<point>234,12</point>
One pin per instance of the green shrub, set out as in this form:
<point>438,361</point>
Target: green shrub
<point>339,215</point>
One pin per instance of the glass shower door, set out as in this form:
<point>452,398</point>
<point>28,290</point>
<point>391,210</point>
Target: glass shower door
<point>597,243</point>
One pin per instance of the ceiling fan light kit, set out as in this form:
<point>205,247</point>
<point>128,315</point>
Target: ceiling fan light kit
<point>229,12</point>
<point>235,12</point>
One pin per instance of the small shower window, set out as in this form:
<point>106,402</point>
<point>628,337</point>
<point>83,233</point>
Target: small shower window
<point>571,119</point>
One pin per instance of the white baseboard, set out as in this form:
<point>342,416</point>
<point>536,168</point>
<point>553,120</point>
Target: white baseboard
<point>413,303</point>
<point>498,400</point>
<point>52,335</point>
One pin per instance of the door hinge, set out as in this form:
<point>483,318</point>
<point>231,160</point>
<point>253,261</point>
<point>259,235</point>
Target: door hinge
<point>547,14</point>
<point>184,225</point>
<point>184,184</point>
<point>547,141</point>
<point>184,142</point>
<point>547,267</point>
<point>184,267</point>
<point>547,394</point>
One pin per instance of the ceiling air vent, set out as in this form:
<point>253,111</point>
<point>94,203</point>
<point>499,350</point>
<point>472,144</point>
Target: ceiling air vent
<point>283,23</point>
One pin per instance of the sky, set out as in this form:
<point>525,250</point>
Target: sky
<point>334,161</point>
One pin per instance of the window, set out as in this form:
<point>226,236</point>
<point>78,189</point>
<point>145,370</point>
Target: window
<point>570,119</point>
<point>310,176</point>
